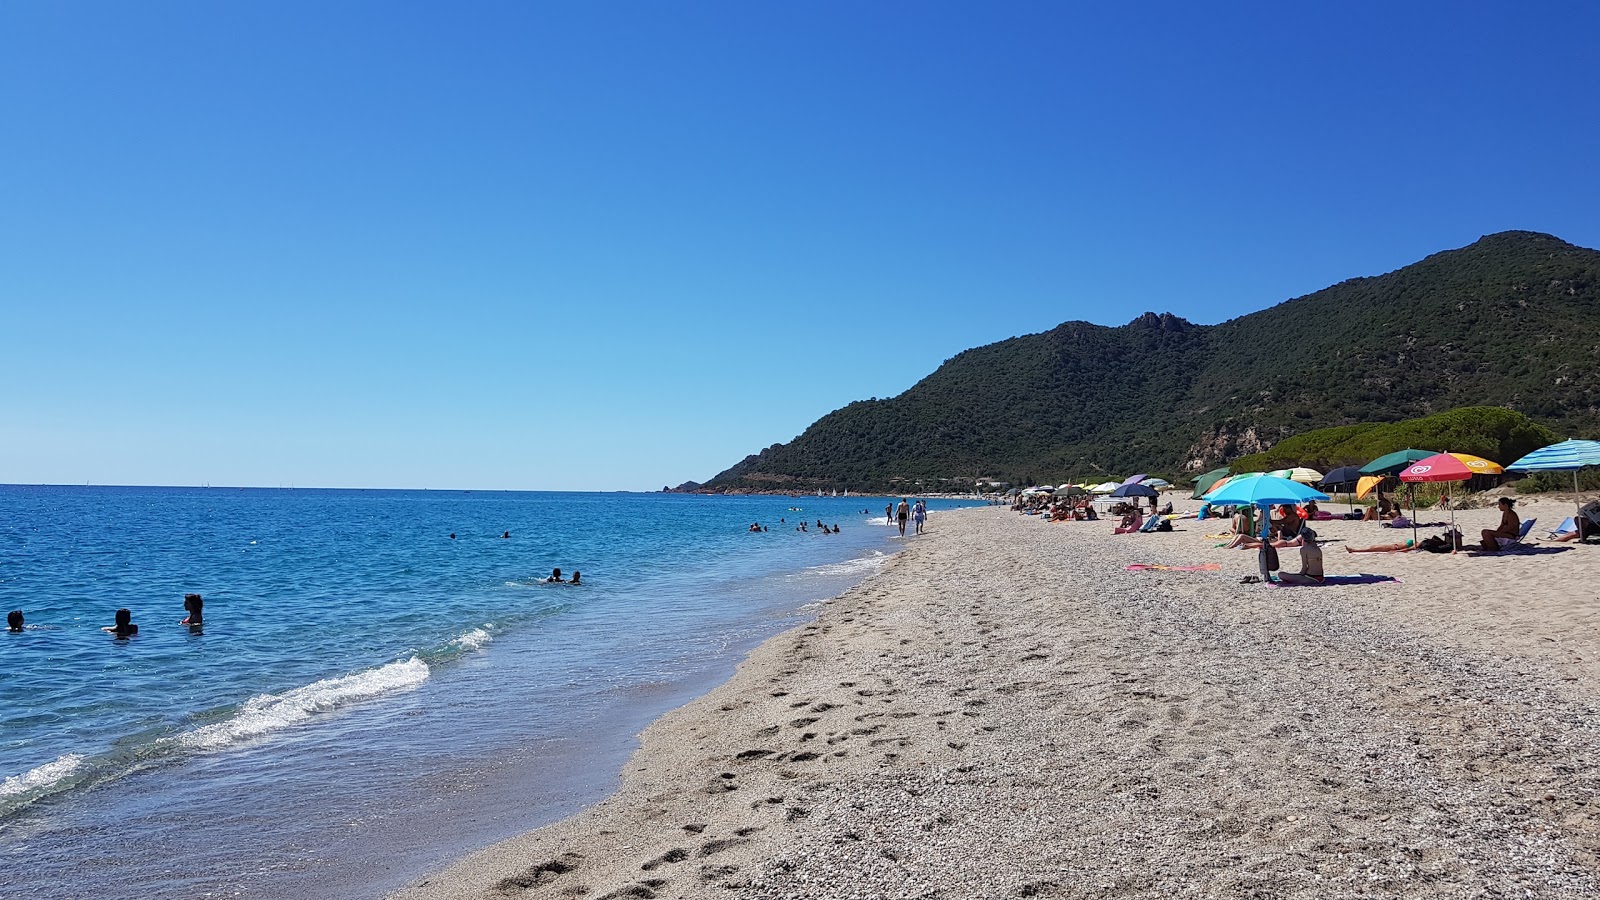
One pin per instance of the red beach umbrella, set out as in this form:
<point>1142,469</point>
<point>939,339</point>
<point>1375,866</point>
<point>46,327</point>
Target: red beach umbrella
<point>1439,467</point>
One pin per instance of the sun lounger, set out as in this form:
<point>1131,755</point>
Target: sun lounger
<point>1567,526</point>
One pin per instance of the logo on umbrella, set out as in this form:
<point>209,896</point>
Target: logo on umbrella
<point>1421,470</point>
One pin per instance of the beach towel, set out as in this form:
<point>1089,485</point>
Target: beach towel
<point>1226,534</point>
<point>1344,579</point>
<point>1406,523</point>
<point>1203,567</point>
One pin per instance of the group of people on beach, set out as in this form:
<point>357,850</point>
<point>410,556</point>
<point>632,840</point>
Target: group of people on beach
<point>122,620</point>
<point>915,514</point>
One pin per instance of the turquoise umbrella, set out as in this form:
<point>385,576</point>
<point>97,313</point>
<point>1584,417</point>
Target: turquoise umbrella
<point>1264,491</point>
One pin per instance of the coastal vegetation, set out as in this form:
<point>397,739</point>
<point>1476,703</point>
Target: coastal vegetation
<point>1510,321</point>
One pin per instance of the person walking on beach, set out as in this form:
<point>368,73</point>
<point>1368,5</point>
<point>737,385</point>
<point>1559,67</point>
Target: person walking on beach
<point>888,514</point>
<point>919,514</point>
<point>901,514</point>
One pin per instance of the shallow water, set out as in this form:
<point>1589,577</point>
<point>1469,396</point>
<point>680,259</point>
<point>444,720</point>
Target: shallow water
<point>368,698</point>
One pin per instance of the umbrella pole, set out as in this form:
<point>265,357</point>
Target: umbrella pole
<point>1412,490</point>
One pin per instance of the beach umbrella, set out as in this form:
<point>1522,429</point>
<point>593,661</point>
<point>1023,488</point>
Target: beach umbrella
<point>1134,479</point>
<point>1300,474</point>
<point>1344,477</point>
<point>1207,481</point>
<point>1265,491</point>
<point>1478,464</point>
<point>1366,484</point>
<point>1439,467</point>
<point>1134,490</point>
<point>1104,487</point>
<point>1242,476</point>
<point>1071,490</point>
<point>1157,483</point>
<point>1390,463</point>
<point>1563,457</point>
<point>1341,475</point>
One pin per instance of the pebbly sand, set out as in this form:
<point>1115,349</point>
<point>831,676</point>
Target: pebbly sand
<point>1006,711</point>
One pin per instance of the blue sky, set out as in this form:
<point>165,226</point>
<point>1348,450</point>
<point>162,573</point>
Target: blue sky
<point>616,246</point>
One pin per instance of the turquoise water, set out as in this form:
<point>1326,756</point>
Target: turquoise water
<point>368,697</point>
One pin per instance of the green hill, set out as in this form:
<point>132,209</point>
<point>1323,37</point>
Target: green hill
<point>1491,432</point>
<point>1512,320</point>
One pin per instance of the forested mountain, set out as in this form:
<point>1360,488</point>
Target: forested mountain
<point>1512,320</point>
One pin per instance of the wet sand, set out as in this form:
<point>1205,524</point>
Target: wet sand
<point>1007,711</point>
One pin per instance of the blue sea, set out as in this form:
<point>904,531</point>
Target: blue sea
<point>368,698</point>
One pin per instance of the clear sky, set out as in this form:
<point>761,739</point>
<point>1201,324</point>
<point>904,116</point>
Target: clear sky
<point>620,245</point>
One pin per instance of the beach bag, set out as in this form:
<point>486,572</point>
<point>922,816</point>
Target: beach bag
<point>1164,526</point>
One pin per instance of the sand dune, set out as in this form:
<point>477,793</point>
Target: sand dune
<point>1006,711</point>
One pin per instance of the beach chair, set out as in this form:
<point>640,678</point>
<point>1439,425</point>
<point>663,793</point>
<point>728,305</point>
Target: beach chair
<point>1567,526</point>
<point>1516,543</point>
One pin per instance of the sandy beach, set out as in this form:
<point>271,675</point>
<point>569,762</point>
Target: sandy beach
<point>1007,711</point>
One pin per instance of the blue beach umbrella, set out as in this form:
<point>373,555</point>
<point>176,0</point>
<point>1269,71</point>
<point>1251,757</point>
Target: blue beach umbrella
<point>1264,491</point>
<point>1134,490</point>
<point>1562,457</point>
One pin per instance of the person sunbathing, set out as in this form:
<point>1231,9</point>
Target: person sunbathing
<point>1130,523</point>
<point>1509,530</point>
<point>1404,547</point>
<point>1287,524</point>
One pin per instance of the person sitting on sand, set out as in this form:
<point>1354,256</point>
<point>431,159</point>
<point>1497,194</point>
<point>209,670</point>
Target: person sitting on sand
<point>1288,522</point>
<point>577,577</point>
<point>124,627</point>
<point>1251,542</point>
<point>1244,521</point>
<point>1403,547</point>
<point>14,621</point>
<point>1131,521</point>
<point>194,605</point>
<point>1509,530</point>
<point>555,577</point>
<point>1308,513</point>
<point>1310,561</point>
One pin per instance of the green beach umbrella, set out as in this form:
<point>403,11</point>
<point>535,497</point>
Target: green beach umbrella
<point>1390,463</point>
<point>1204,482</point>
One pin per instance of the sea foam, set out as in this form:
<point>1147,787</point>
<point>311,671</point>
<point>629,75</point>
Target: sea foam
<point>42,777</point>
<point>266,713</point>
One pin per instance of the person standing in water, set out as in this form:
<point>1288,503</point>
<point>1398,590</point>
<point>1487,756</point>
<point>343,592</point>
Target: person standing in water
<point>14,621</point>
<point>555,577</point>
<point>901,514</point>
<point>193,605</point>
<point>888,514</point>
<point>124,627</point>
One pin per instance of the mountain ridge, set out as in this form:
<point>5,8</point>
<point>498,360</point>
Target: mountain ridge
<point>1512,320</point>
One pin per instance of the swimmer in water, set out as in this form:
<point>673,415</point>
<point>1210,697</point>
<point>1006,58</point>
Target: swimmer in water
<point>192,604</point>
<point>124,627</point>
<point>577,577</point>
<point>14,621</point>
<point>555,577</point>
<point>452,535</point>
<point>505,535</point>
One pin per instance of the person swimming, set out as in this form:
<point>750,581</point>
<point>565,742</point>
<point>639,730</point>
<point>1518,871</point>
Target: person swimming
<point>193,604</point>
<point>14,621</point>
<point>124,627</point>
<point>577,577</point>
<point>505,535</point>
<point>555,577</point>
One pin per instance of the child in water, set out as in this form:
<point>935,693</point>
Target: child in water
<point>124,627</point>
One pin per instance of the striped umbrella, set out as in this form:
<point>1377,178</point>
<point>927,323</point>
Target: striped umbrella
<point>1565,456</point>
